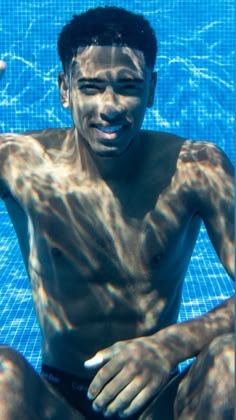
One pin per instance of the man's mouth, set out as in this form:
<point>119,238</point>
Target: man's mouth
<point>109,129</point>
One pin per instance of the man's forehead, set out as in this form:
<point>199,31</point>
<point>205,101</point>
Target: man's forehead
<point>95,58</point>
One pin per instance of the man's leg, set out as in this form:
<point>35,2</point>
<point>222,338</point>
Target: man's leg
<point>207,391</point>
<point>25,395</point>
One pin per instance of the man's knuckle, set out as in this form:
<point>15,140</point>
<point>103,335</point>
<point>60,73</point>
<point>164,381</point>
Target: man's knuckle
<point>100,378</point>
<point>132,366</point>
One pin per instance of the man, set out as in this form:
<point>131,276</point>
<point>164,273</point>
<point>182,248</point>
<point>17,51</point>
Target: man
<point>107,216</point>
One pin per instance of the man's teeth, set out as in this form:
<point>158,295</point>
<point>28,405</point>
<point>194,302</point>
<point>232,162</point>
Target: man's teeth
<point>109,129</point>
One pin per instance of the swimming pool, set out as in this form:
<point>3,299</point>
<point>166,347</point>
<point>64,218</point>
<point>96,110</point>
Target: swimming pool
<point>194,99</point>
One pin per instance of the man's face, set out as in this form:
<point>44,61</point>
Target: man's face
<point>108,90</point>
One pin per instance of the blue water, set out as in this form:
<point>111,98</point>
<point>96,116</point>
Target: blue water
<point>194,98</point>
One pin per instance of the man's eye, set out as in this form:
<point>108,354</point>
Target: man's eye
<point>89,89</point>
<point>130,88</point>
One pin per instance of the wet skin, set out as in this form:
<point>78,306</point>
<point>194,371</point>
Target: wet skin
<point>107,216</point>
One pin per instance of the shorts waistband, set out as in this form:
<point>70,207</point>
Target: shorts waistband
<point>60,378</point>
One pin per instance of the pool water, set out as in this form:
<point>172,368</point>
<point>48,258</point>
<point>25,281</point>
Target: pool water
<point>194,98</point>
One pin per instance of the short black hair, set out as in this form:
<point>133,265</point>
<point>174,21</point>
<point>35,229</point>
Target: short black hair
<point>107,26</point>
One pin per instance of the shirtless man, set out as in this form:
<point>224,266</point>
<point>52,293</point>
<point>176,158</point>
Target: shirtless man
<point>107,216</point>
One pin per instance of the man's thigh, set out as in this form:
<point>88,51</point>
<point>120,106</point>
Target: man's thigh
<point>207,390</point>
<point>24,394</point>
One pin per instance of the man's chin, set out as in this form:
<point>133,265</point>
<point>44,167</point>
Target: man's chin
<point>110,151</point>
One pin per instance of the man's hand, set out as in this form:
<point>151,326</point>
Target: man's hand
<point>2,68</point>
<point>133,372</point>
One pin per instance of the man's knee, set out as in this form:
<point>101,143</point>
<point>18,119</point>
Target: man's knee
<point>13,372</point>
<point>208,387</point>
<point>9,353</point>
<point>218,359</point>
<point>11,362</point>
<point>223,344</point>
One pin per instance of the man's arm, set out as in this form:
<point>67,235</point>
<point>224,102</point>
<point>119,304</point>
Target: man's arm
<point>2,69</point>
<point>216,202</point>
<point>14,152</point>
<point>214,190</point>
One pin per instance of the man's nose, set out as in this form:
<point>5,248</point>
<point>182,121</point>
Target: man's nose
<point>110,113</point>
<point>111,108</point>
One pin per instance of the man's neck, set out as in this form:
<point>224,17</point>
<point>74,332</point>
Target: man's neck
<point>112,168</point>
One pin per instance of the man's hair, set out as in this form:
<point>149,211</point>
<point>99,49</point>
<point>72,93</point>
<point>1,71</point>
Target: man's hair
<point>107,26</point>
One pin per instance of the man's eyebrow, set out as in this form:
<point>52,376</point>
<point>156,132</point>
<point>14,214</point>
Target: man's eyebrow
<point>127,79</point>
<point>130,79</point>
<point>90,79</point>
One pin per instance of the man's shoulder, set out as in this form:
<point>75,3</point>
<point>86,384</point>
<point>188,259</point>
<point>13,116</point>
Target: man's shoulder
<point>203,154</point>
<point>29,149</point>
<point>49,137</point>
<point>195,161</point>
<point>189,150</point>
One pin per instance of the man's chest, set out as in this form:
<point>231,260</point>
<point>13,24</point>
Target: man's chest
<point>101,226</point>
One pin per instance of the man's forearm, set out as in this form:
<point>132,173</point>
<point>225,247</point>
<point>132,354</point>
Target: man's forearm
<point>187,339</point>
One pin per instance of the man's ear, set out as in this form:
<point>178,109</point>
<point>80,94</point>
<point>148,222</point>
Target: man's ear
<point>64,90</point>
<point>152,88</point>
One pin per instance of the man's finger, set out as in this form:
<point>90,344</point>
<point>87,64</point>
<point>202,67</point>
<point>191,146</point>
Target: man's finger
<point>96,360</point>
<point>2,68</point>
<point>139,401</point>
<point>103,376</point>
<point>101,357</point>
<point>112,390</point>
<point>126,394</point>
